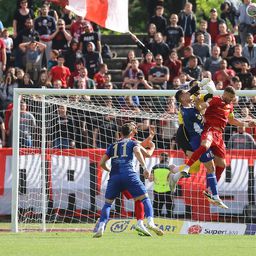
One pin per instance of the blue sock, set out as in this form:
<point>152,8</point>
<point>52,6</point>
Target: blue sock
<point>147,207</point>
<point>212,183</point>
<point>105,212</point>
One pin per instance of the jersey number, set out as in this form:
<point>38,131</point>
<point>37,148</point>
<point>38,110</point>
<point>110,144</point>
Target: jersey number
<point>123,151</point>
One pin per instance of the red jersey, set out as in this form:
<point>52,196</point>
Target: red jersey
<point>60,73</point>
<point>217,113</point>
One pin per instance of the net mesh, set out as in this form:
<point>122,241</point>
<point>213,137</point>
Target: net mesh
<point>78,130</point>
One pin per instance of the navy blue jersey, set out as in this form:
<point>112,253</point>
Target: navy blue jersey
<point>121,154</point>
<point>193,121</point>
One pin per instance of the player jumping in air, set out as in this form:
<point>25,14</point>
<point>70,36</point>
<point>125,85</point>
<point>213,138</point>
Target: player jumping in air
<point>193,123</point>
<point>123,177</point>
<point>219,112</point>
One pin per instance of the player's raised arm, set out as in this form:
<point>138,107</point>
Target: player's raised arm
<point>139,156</point>
<point>233,121</point>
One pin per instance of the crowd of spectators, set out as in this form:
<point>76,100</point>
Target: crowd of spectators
<point>56,49</point>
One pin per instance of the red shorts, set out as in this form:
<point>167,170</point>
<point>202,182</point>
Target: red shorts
<point>217,144</point>
<point>127,194</point>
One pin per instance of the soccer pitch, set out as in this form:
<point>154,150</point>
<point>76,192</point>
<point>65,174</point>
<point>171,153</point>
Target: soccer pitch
<point>63,243</point>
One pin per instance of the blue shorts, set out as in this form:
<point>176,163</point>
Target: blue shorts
<point>195,142</point>
<point>125,181</point>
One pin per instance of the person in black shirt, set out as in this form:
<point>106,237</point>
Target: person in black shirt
<point>62,131</point>
<point>174,34</point>
<point>159,20</point>
<point>60,38</point>
<point>89,36</point>
<point>21,16</point>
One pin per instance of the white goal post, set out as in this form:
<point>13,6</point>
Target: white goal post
<point>21,157</point>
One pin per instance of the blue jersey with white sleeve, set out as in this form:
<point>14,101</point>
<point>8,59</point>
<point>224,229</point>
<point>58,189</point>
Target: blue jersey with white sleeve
<point>193,121</point>
<point>121,154</point>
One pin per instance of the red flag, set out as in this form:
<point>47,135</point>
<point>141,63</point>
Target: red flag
<point>111,14</point>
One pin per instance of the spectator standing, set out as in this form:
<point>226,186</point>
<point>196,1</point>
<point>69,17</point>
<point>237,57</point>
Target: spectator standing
<point>249,51</point>
<point>202,29</point>
<point>159,20</point>
<point>237,59</point>
<point>20,17</point>
<point>174,34</point>
<point>62,131</point>
<point>72,55</point>
<point>60,72</point>
<point>61,37</point>
<point>89,36</point>
<point>92,59</point>
<point>200,48</point>
<point>45,25</point>
<point>159,46</point>
<point>187,20</point>
<point>33,57</point>
<point>149,38</point>
<point>27,34</point>
<point>246,23</point>
<point>175,67</point>
<point>27,127</point>
<point>8,45</point>
<point>213,24</point>
<point>245,76</point>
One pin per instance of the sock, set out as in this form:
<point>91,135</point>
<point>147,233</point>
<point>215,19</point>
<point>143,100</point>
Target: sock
<point>140,222</point>
<point>150,221</point>
<point>219,171</point>
<point>105,212</point>
<point>139,210</point>
<point>147,207</point>
<point>102,225</point>
<point>212,183</point>
<point>196,155</point>
<point>177,176</point>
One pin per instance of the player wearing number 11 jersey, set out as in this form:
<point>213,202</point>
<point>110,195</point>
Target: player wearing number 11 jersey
<point>123,177</point>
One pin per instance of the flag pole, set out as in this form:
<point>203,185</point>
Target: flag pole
<point>142,46</point>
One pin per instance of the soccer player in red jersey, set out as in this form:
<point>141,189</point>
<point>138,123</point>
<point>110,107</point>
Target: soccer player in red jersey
<point>219,112</point>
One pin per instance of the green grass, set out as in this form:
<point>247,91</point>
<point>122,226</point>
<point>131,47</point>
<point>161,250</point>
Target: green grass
<point>76,244</point>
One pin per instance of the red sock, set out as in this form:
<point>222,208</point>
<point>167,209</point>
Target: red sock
<point>139,210</point>
<point>219,171</point>
<point>196,155</point>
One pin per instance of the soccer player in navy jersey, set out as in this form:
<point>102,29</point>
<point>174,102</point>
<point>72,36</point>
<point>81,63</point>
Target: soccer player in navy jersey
<point>193,122</point>
<point>123,177</point>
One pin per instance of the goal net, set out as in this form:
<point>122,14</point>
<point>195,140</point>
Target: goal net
<point>59,137</point>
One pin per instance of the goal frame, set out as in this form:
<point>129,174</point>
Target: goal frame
<point>18,92</point>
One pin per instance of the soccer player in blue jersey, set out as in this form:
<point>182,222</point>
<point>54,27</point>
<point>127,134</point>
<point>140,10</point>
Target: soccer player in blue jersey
<point>193,122</point>
<point>123,177</point>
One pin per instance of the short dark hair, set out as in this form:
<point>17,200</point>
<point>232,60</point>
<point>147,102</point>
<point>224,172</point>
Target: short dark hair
<point>178,94</point>
<point>126,129</point>
<point>230,89</point>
